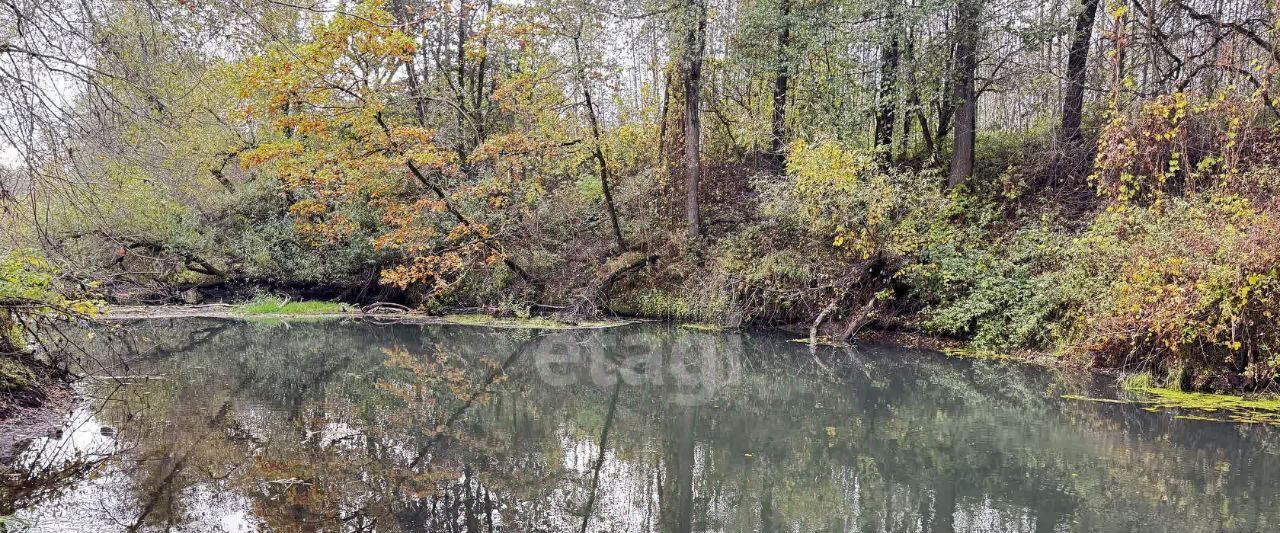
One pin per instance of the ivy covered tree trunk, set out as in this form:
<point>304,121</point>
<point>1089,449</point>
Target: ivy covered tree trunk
<point>694,47</point>
<point>7,343</point>
<point>886,94</point>
<point>962,146</point>
<point>780,83</point>
<point>1073,99</point>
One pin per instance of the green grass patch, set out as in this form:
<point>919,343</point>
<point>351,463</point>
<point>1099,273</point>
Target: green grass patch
<point>1137,382</point>
<point>272,305</point>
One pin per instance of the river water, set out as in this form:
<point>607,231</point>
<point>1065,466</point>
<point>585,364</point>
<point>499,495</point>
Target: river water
<point>225,425</point>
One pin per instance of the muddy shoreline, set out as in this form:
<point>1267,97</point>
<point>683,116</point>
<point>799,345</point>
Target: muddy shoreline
<point>136,312</point>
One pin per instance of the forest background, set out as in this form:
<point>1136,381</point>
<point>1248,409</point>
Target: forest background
<point>1096,180</point>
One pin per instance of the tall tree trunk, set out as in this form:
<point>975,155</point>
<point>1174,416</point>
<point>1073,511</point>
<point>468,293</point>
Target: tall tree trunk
<point>780,82</point>
<point>695,45</point>
<point>597,149</point>
<point>666,146</point>
<point>962,146</point>
<point>411,69</point>
<point>945,102</point>
<point>1073,101</point>
<point>914,106</point>
<point>1077,61</point>
<point>463,114</point>
<point>886,93</point>
<point>479,91</point>
<point>662,117</point>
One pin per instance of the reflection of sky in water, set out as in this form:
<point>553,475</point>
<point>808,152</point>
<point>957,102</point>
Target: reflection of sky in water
<point>315,420</point>
<point>99,503</point>
<point>81,439</point>
<point>625,501</point>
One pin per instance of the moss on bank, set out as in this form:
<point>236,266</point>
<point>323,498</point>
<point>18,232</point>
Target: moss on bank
<point>14,376</point>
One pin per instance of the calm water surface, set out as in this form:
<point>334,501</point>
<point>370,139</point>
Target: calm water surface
<point>220,425</point>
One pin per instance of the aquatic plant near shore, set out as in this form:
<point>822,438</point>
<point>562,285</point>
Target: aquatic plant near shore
<point>1140,389</point>
<point>1199,405</point>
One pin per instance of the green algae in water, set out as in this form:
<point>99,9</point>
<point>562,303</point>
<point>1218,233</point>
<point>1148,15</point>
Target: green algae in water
<point>1078,397</point>
<point>1262,410</point>
<point>1197,405</point>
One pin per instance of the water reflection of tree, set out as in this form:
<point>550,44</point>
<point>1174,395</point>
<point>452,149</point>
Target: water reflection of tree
<point>329,426</point>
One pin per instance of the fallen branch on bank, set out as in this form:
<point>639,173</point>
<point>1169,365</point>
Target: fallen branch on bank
<point>596,299</point>
<point>385,308</point>
<point>617,275</point>
<point>859,319</point>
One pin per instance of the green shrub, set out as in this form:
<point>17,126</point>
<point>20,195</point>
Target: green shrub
<point>1003,158</point>
<point>1004,292</point>
<point>266,244</point>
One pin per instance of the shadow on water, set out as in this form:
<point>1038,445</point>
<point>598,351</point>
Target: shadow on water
<point>218,425</point>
